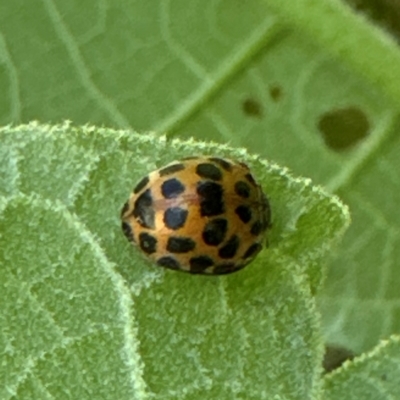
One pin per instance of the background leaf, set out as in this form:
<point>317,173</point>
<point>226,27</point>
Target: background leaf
<point>84,314</point>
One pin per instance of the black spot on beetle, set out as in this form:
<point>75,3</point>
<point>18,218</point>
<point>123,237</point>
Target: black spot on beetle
<point>141,185</point>
<point>242,189</point>
<point>171,169</point>
<point>124,209</point>
<point>226,268</point>
<point>177,244</point>
<point>209,171</point>
<point>230,248</point>
<point>128,232</point>
<point>252,250</point>
<point>257,228</point>
<point>175,217</point>
<point>168,262</point>
<point>199,264</point>
<point>147,243</point>
<point>214,232</point>
<point>244,213</point>
<point>226,165</point>
<point>172,188</point>
<point>250,178</point>
<point>143,210</point>
<point>211,198</point>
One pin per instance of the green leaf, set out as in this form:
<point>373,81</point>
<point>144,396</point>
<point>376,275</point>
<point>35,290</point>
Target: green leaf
<point>84,316</point>
<point>374,375</point>
<point>310,84</point>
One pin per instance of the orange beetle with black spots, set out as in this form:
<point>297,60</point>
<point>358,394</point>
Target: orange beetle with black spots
<point>202,215</point>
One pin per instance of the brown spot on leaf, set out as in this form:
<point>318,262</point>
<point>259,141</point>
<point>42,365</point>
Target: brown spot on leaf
<point>252,108</point>
<point>335,356</point>
<point>276,93</point>
<point>344,128</point>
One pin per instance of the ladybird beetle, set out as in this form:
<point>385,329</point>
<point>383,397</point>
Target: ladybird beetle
<point>203,215</point>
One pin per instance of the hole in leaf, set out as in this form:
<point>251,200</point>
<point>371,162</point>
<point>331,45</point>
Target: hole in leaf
<point>252,108</point>
<point>335,356</point>
<point>343,128</point>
